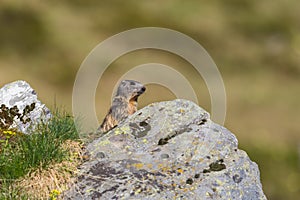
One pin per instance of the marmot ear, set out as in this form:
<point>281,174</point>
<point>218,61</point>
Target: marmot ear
<point>123,82</point>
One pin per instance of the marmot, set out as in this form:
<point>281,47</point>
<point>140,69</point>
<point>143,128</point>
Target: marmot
<point>124,104</point>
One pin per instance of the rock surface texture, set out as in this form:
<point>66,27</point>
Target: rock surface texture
<point>167,150</point>
<point>19,99</point>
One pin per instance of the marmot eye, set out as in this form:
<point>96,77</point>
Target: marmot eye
<point>132,83</point>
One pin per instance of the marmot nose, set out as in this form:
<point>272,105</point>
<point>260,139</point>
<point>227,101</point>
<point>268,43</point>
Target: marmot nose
<point>143,89</point>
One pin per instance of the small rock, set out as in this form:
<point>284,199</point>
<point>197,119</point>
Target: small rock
<point>19,96</point>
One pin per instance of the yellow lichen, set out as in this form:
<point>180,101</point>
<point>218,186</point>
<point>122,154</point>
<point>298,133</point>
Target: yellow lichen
<point>137,191</point>
<point>160,166</point>
<point>149,166</point>
<point>104,142</point>
<point>125,129</point>
<point>89,190</point>
<point>138,165</point>
<point>145,141</point>
<point>165,169</point>
<point>118,131</point>
<point>219,182</point>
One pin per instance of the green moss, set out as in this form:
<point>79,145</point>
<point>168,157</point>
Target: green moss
<point>215,166</point>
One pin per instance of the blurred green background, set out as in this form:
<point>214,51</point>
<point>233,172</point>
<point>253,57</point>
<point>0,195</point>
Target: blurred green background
<point>255,44</point>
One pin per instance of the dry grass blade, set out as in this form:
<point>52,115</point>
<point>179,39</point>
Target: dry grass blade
<point>42,183</point>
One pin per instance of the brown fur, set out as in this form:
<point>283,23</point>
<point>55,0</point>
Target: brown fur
<point>123,104</point>
<point>108,123</point>
<point>132,106</point>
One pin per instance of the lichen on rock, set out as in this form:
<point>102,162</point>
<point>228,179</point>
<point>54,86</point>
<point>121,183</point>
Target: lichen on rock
<point>167,150</point>
<point>20,108</point>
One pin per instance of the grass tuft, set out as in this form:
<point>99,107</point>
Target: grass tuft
<point>49,147</point>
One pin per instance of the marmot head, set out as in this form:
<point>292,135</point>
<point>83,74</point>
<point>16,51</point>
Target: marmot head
<point>130,89</point>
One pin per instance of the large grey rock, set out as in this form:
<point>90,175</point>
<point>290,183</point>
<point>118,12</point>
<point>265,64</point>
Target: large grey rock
<point>21,95</point>
<point>167,150</point>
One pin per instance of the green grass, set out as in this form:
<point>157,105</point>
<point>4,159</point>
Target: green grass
<point>8,191</point>
<point>37,150</point>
